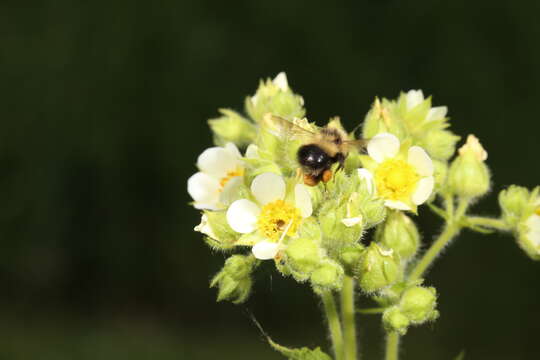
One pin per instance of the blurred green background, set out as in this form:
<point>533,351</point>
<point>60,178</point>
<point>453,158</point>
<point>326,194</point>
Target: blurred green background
<point>103,109</point>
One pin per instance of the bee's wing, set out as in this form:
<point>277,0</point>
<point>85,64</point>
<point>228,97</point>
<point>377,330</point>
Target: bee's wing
<point>285,128</point>
<point>358,144</point>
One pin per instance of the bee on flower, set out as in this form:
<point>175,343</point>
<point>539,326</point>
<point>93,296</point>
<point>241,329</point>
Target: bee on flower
<point>402,177</point>
<point>273,214</point>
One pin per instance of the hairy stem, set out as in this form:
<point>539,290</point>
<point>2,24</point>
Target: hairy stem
<point>347,314</point>
<point>334,324</point>
<point>488,222</point>
<point>392,346</point>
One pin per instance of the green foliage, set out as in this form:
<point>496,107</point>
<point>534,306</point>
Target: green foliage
<point>299,354</point>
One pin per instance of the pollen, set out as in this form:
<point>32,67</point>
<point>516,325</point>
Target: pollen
<point>537,211</point>
<point>396,179</point>
<point>231,174</point>
<point>275,217</point>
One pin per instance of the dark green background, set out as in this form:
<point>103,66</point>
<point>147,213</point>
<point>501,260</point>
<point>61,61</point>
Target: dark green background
<point>103,109</point>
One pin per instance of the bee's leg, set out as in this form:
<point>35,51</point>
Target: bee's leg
<point>340,159</point>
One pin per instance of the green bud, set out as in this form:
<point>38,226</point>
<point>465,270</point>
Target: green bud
<point>400,234</point>
<point>468,176</point>
<point>394,320</point>
<point>275,96</point>
<point>303,257</point>
<point>514,202</point>
<point>232,127</point>
<point>328,276</point>
<point>219,234</point>
<point>377,269</point>
<point>418,304</point>
<point>234,279</point>
<point>440,144</point>
<point>350,256</point>
<point>440,173</point>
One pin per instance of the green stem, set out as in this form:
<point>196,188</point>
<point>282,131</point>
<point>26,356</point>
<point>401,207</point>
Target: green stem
<point>451,229</point>
<point>487,222</point>
<point>334,324</point>
<point>347,314</point>
<point>370,311</point>
<point>392,346</point>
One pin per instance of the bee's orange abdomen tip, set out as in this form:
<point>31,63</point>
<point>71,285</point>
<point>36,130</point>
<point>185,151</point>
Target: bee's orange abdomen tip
<point>310,180</point>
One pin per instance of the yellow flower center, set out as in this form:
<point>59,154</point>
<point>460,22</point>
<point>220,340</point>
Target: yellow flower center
<point>395,179</point>
<point>231,174</point>
<point>275,217</point>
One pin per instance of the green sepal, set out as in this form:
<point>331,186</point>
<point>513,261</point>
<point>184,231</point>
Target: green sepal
<point>223,236</point>
<point>327,277</point>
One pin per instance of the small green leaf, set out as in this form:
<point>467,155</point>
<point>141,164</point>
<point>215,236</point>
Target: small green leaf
<point>461,355</point>
<point>300,354</point>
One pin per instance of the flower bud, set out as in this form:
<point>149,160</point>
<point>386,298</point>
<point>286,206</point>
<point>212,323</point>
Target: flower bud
<point>328,276</point>
<point>277,98</point>
<point>234,279</point>
<point>400,234</point>
<point>514,202</point>
<point>377,269</point>
<point>440,174</point>
<point>303,257</point>
<point>232,127</point>
<point>418,304</point>
<point>350,256</point>
<point>440,144</point>
<point>394,320</point>
<point>468,176</point>
<point>219,234</point>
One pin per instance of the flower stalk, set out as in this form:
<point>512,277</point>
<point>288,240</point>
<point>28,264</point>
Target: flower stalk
<point>348,316</point>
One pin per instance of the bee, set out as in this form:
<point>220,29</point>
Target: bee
<point>320,150</point>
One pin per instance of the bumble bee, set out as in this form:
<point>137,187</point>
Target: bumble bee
<point>320,150</point>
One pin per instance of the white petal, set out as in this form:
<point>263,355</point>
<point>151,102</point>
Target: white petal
<point>265,250</point>
<point>398,205</point>
<point>303,200</point>
<point>268,187</point>
<point>423,190</point>
<point>204,227</point>
<point>367,176</point>
<point>242,216</point>
<point>204,189</point>
<point>281,81</point>
<point>217,162</point>
<point>230,191</point>
<point>414,97</point>
<point>252,151</point>
<point>436,113</point>
<point>351,221</point>
<point>533,223</point>
<point>383,146</point>
<point>421,161</point>
<point>230,147</point>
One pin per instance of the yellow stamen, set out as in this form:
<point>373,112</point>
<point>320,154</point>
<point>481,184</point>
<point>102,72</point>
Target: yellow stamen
<point>231,174</point>
<point>537,211</point>
<point>275,217</point>
<point>396,179</point>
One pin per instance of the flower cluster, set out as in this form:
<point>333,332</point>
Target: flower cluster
<point>257,204</point>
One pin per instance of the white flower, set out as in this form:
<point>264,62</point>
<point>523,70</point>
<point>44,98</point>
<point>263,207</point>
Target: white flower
<point>416,97</point>
<point>402,181</point>
<point>220,174</point>
<point>271,215</point>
